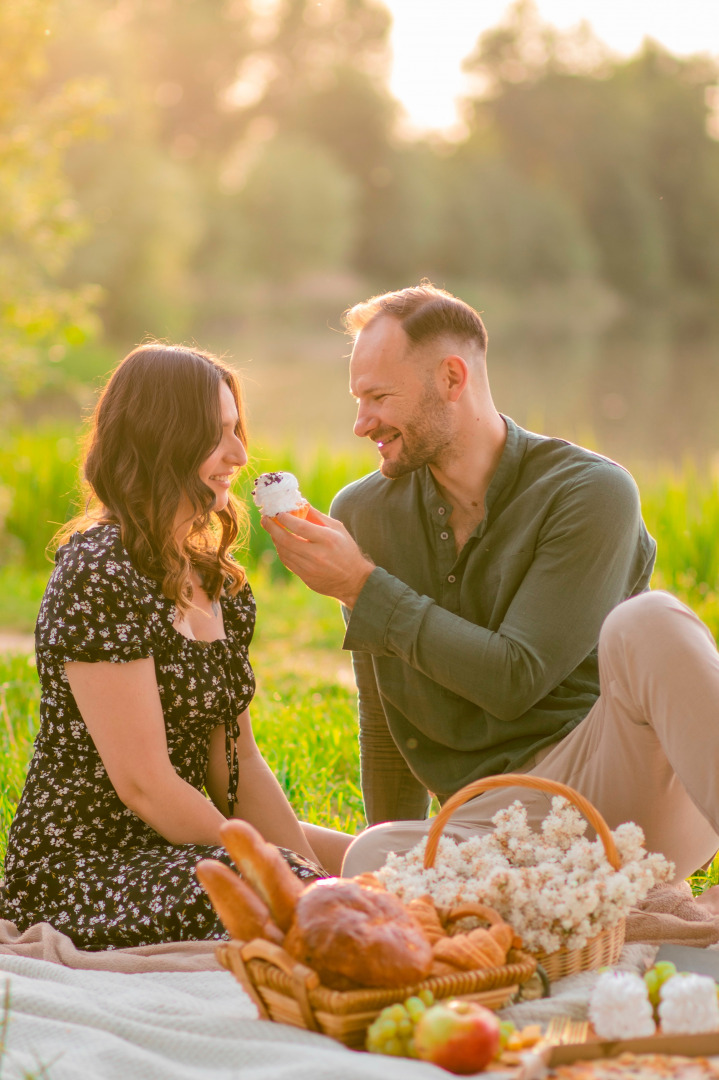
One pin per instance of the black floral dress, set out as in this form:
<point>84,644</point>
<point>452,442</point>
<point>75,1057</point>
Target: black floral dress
<point>77,857</point>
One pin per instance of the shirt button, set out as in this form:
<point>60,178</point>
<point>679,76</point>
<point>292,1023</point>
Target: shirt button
<point>412,744</point>
<point>444,536</point>
<point>451,578</point>
<point>441,510</point>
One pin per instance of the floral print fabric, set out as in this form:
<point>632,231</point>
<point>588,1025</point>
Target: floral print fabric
<point>77,857</point>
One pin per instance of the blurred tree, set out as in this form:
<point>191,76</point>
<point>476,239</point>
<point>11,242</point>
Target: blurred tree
<point>670,101</point>
<point>321,74</point>
<point>500,226</point>
<point>146,193</point>
<point>403,228</point>
<point>296,212</point>
<point>625,143</point>
<point>203,87</point>
<point>39,220</point>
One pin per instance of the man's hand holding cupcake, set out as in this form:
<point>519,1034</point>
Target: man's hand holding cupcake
<point>314,546</point>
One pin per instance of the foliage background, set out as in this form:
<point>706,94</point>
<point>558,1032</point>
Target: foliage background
<point>232,171</point>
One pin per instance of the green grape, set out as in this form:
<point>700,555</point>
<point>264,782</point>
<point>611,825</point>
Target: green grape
<point>384,1031</point>
<point>376,1036</point>
<point>373,1043</point>
<point>415,1007</point>
<point>411,1049</point>
<point>394,1047</point>
<point>427,997</point>
<point>387,1026</point>
<point>506,1030</point>
<point>405,1027</point>
<point>656,977</point>
<point>651,980</point>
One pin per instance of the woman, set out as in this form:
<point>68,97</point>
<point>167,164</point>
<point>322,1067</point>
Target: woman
<point>141,644</point>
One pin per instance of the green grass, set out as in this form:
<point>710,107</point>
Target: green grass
<point>42,494</point>
<point>308,734</point>
<point>19,715</point>
<point>20,595</point>
<point>681,509</point>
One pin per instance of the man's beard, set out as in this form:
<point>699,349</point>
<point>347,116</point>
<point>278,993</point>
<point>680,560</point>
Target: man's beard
<point>426,437</point>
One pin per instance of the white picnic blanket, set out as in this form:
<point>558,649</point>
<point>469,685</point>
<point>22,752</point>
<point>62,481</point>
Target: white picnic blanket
<point>104,1025</point>
<point>107,1025</point>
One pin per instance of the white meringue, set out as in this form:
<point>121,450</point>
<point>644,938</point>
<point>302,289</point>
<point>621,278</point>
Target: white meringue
<point>688,1004</point>
<point>619,1006</point>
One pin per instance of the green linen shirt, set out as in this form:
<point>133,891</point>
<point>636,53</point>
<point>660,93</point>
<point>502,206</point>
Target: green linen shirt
<point>467,665</point>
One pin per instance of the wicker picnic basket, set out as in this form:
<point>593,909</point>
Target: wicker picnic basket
<point>288,992</point>
<point>606,946</point>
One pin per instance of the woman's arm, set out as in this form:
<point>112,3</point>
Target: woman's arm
<point>259,798</point>
<point>120,704</point>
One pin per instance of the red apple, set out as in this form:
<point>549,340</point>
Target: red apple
<point>461,1036</point>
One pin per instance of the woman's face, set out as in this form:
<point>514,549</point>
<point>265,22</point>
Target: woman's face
<point>228,456</point>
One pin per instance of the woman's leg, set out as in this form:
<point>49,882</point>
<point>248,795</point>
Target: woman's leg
<point>329,845</point>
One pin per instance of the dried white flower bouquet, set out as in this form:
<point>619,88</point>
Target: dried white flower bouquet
<point>556,887</point>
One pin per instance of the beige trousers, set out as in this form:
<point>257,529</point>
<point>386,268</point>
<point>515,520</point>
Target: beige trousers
<point>647,751</point>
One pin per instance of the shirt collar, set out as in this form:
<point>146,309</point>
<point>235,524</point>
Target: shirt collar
<point>505,472</point>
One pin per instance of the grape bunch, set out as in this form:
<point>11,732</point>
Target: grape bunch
<point>392,1032</point>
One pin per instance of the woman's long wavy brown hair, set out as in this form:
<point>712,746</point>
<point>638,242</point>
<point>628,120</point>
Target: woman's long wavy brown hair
<point>157,419</point>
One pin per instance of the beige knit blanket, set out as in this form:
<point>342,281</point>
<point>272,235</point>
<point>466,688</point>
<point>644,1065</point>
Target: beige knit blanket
<point>41,942</point>
<point>669,914</point>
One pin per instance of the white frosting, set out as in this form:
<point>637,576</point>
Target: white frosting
<point>277,493</point>
<point>619,1006</point>
<point>688,1004</point>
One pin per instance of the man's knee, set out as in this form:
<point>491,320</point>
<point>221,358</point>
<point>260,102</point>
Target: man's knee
<point>642,615</point>
<point>370,849</point>
<point>654,628</point>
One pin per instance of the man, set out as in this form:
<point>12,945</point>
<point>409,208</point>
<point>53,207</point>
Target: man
<point>476,569</point>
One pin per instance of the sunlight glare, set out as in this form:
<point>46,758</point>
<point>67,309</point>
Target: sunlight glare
<point>430,38</point>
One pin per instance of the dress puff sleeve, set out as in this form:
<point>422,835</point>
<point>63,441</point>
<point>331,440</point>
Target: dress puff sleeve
<point>96,605</point>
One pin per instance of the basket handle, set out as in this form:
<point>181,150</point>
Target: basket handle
<point>536,783</point>
<point>303,978</point>
<point>261,949</point>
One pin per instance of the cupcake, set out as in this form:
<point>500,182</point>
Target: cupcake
<point>279,493</point>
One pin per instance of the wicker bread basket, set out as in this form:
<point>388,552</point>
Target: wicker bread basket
<point>606,946</point>
<point>288,992</point>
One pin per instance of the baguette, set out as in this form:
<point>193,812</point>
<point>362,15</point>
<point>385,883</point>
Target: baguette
<point>263,868</point>
<point>241,910</point>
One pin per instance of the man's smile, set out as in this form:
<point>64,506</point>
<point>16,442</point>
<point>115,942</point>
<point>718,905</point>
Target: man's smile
<point>387,440</point>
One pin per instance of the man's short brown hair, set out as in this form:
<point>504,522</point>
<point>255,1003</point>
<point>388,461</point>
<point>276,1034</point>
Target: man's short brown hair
<point>424,312</point>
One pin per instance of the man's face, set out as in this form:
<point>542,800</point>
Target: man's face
<point>399,406</point>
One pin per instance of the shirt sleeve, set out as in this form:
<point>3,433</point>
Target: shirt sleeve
<point>95,606</point>
<point>390,790</point>
<point>584,565</point>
